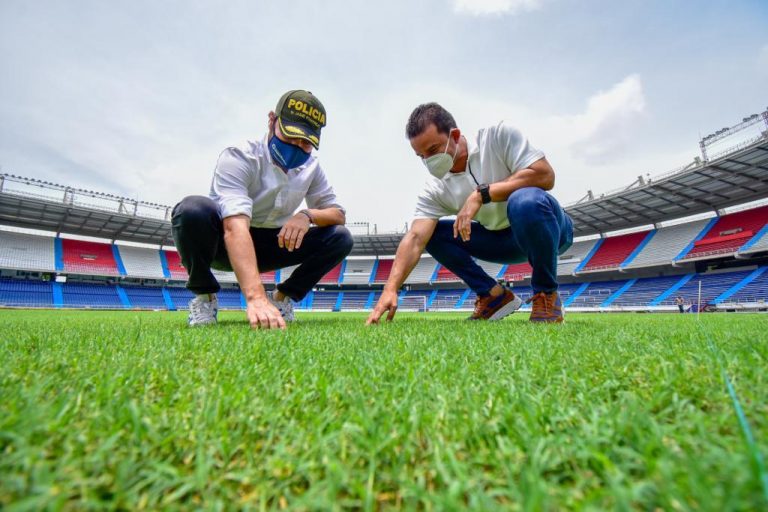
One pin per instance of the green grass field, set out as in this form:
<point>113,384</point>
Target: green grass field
<point>128,410</point>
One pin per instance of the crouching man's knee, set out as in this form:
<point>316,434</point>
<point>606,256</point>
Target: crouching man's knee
<point>194,210</point>
<point>522,202</point>
<point>341,240</point>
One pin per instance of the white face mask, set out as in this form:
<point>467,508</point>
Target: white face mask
<point>440,164</point>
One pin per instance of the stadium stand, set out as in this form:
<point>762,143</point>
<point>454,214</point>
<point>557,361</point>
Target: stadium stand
<point>758,244</point>
<point>91,296</point>
<point>145,297</point>
<point>26,252</point>
<point>492,269</point>
<point>324,301</point>
<point>596,293</point>
<point>25,293</point>
<point>176,270</point>
<point>230,277</point>
<point>423,271</point>
<point>354,300</point>
<point>566,292</point>
<point>468,300</point>
<point>447,299</point>
<point>286,272</point>
<point>358,271</point>
<point>266,277</point>
<point>645,290</point>
<point>414,300</point>
<point>383,268</point>
<point>332,277</point>
<point>141,262</point>
<point>614,251</point>
<point>92,258</point>
<point>573,257</point>
<point>518,272</point>
<point>443,274</point>
<point>180,296</point>
<point>667,243</point>
<point>712,286</point>
<point>729,233</point>
<point>755,292</point>
<point>230,299</point>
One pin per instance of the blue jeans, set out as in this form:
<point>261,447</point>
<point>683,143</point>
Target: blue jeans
<point>539,231</point>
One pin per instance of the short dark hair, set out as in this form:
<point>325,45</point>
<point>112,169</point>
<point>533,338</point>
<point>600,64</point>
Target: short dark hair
<point>426,114</point>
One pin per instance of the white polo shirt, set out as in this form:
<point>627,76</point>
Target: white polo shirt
<point>498,153</point>
<point>246,182</point>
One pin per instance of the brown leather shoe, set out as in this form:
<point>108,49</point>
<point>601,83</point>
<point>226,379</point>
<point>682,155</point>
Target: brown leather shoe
<point>547,308</point>
<point>493,308</point>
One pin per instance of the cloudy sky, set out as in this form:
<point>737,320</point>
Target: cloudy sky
<point>138,98</point>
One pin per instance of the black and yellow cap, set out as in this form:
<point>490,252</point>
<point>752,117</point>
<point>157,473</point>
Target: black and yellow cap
<point>301,115</point>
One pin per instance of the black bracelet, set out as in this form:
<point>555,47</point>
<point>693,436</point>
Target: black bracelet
<point>309,216</point>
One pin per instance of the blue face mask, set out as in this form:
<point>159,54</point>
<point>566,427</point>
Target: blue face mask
<point>285,155</point>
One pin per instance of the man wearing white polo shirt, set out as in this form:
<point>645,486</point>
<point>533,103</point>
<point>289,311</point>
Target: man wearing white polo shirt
<point>249,222</point>
<point>496,186</point>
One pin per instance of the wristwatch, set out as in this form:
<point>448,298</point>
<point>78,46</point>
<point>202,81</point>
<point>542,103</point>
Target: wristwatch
<point>309,216</point>
<point>485,192</point>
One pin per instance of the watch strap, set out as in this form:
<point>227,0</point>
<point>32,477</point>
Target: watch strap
<point>309,215</point>
<point>485,192</point>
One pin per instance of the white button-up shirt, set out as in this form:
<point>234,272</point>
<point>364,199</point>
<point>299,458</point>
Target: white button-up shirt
<point>247,182</point>
<point>499,152</point>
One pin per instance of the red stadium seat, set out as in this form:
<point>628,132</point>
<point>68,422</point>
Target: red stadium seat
<point>267,277</point>
<point>443,274</point>
<point>383,271</point>
<point>177,270</point>
<point>518,272</point>
<point>89,258</point>
<point>614,250</point>
<point>730,232</point>
<point>332,277</point>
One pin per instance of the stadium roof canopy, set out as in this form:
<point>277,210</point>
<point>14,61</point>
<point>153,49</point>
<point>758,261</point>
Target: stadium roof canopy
<point>35,204</point>
<point>735,176</point>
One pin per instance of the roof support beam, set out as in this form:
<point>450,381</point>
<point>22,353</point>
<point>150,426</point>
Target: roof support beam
<point>639,212</point>
<point>684,196</point>
<point>613,212</point>
<point>745,167</point>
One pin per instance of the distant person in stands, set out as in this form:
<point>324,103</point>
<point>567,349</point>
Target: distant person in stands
<point>495,184</point>
<point>680,303</point>
<point>249,222</point>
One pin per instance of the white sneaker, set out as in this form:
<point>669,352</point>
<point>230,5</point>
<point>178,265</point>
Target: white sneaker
<point>203,311</point>
<point>285,306</point>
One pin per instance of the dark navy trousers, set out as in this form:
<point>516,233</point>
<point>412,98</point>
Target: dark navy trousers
<point>199,235</point>
<point>539,231</point>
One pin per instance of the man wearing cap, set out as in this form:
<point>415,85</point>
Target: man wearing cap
<point>495,184</point>
<point>248,223</point>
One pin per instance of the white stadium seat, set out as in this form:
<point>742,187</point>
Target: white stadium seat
<point>224,277</point>
<point>21,251</point>
<point>358,271</point>
<point>570,259</point>
<point>667,243</point>
<point>286,272</point>
<point>492,269</point>
<point>760,245</point>
<point>422,272</point>
<point>143,262</point>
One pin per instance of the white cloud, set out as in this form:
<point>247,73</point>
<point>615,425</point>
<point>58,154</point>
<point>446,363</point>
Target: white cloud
<point>486,7</point>
<point>604,130</point>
